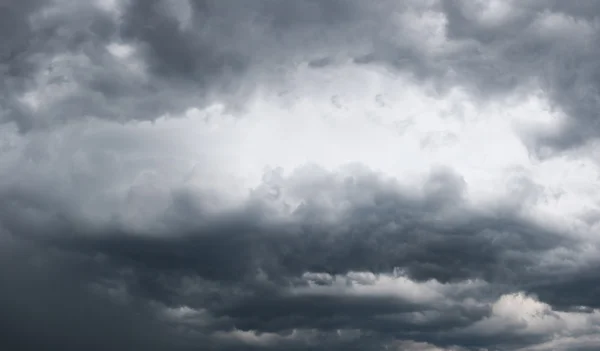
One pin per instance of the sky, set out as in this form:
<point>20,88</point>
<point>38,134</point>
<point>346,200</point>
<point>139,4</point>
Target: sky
<point>418,175</point>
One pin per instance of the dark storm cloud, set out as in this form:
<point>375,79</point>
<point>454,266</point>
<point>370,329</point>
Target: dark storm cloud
<point>247,275</point>
<point>239,266</point>
<point>570,290</point>
<point>185,55</point>
<point>46,304</point>
<point>432,236</point>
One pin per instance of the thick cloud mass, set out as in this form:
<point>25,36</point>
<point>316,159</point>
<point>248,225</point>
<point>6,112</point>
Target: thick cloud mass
<point>299,175</point>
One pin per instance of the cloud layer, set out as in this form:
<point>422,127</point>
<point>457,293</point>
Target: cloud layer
<point>308,175</point>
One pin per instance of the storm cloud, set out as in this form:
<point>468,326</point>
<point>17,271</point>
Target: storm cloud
<point>299,175</point>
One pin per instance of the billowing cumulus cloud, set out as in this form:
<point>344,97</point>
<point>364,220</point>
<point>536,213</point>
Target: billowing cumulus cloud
<point>299,175</point>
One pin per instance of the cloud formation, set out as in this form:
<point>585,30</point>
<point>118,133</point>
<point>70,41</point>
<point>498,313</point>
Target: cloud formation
<point>308,175</point>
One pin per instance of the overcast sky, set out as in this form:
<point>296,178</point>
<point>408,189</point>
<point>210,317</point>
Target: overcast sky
<point>299,175</point>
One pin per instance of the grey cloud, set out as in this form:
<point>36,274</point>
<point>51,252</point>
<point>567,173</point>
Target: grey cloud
<point>63,50</point>
<point>514,52</point>
<point>567,292</point>
<point>198,51</point>
<point>94,248</point>
<point>385,229</point>
<point>239,264</point>
<point>46,305</point>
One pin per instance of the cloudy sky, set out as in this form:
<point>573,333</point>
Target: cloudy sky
<point>299,175</point>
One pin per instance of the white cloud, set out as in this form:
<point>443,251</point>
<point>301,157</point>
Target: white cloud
<point>522,314</point>
<point>367,284</point>
<point>340,115</point>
